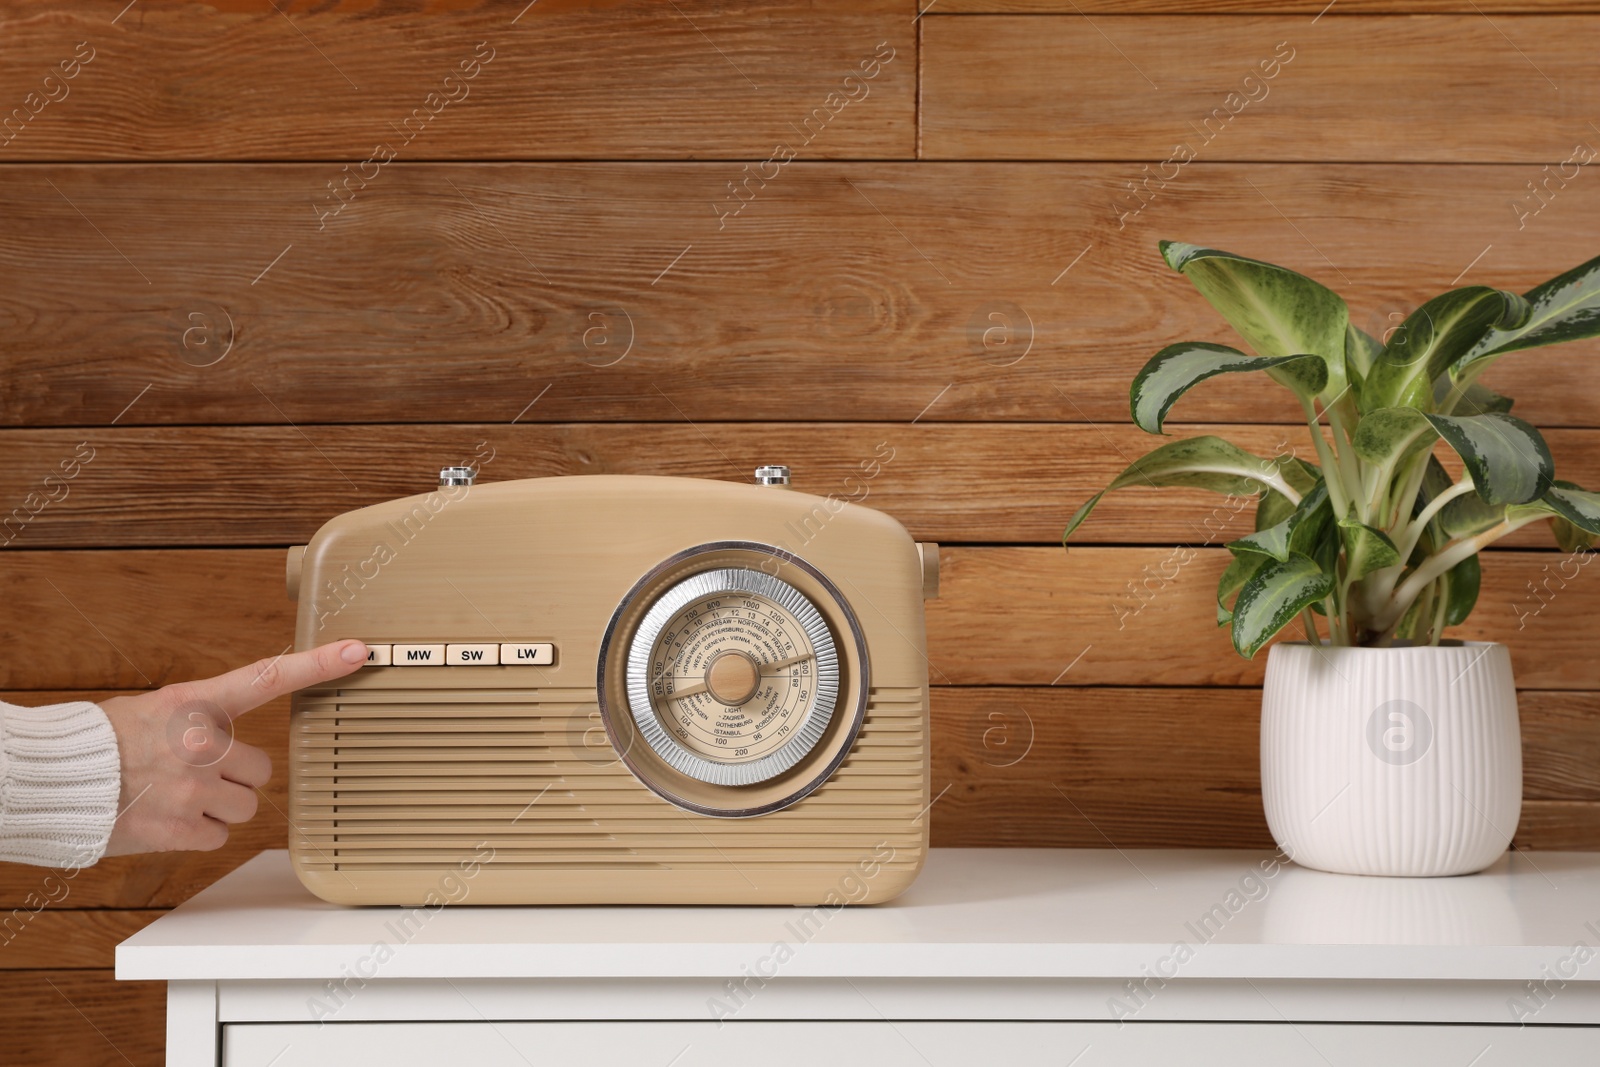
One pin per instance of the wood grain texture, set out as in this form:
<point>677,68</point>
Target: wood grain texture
<point>1552,825</point>
<point>59,937</point>
<point>1313,8</point>
<point>607,292</point>
<point>568,79</point>
<point>1277,88</point>
<point>1139,767</point>
<point>1140,616</point>
<point>83,1019</point>
<point>999,483</point>
<point>1005,616</point>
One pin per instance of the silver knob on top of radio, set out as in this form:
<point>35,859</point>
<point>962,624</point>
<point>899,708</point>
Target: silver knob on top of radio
<point>457,476</point>
<point>772,474</point>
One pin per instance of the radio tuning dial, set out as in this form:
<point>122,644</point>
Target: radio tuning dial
<point>732,676</point>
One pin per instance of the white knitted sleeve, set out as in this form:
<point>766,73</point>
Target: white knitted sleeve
<point>59,782</point>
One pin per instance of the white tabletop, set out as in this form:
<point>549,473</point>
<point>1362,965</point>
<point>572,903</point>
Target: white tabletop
<point>1013,913</point>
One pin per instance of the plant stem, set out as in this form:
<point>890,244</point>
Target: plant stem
<point>1407,496</point>
<point>1349,465</point>
<point>1441,562</point>
<point>1413,531</point>
<point>1331,473</point>
<point>1437,630</point>
<point>1309,621</point>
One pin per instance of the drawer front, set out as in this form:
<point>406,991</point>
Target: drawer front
<point>901,1044</point>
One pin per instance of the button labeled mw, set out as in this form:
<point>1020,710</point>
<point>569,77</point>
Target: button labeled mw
<point>472,655</point>
<point>532,654</point>
<point>419,655</point>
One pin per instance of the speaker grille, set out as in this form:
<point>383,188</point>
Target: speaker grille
<point>414,779</point>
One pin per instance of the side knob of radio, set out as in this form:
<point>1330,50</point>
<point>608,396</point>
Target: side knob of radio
<point>291,570</point>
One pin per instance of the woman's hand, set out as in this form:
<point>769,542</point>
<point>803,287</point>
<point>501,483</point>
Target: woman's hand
<point>184,777</point>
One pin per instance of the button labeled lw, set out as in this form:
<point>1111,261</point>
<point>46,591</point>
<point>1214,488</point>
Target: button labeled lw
<point>472,655</point>
<point>419,655</point>
<point>533,654</point>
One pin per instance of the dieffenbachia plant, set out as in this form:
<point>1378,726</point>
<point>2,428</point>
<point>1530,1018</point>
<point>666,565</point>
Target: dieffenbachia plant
<point>1376,537</point>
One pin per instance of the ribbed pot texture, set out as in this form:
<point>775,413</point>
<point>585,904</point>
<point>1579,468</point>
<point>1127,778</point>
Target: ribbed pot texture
<point>1392,761</point>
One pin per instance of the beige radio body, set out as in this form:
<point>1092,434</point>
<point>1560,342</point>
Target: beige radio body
<point>511,741</point>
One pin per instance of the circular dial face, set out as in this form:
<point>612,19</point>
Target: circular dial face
<point>732,676</point>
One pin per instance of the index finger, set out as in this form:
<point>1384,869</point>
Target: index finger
<point>249,687</point>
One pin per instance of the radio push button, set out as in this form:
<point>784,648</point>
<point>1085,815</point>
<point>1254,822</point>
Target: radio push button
<point>419,655</point>
<point>472,655</point>
<point>379,655</point>
<point>534,654</point>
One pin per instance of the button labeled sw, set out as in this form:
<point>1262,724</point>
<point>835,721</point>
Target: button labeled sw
<point>472,655</point>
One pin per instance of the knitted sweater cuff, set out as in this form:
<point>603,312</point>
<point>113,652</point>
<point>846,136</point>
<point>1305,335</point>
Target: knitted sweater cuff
<point>59,782</point>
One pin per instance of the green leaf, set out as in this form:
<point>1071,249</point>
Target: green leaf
<point>1464,579</point>
<point>1366,548</point>
<point>1507,458</point>
<point>1388,437</point>
<point>1411,624</point>
<point>1565,308</point>
<point>1297,533</point>
<point>1576,512</point>
<point>1240,568</point>
<point>1432,338</point>
<point>1360,351</point>
<point>1176,369</point>
<point>1463,516</point>
<point>1476,399</point>
<point>1272,509</point>
<point>1277,311</point>
<point>1197,463</point>
<point>1274,595</point>
<point>1578,506</point>
<point>1570,538</point>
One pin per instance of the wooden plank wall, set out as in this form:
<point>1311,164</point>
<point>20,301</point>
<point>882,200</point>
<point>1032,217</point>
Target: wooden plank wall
<point>269,262</point>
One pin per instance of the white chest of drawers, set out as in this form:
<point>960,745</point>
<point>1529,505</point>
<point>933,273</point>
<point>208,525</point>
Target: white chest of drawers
<point>1020,957</point>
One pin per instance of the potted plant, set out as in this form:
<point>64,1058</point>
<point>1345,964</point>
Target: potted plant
<point>1385,748</point>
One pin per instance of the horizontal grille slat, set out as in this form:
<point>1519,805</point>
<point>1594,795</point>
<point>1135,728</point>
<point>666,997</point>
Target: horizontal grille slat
<point>394,780</point>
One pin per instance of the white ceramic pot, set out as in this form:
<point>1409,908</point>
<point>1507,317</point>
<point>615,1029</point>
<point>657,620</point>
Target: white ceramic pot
<point>1395,761</point>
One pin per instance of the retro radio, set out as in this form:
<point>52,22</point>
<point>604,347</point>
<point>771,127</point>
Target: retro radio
<point>613,689</point>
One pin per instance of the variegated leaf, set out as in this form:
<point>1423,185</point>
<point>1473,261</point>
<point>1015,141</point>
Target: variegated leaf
<point>1565,308</point>
<point>1195,462</point>
<point>1475,399</point>
<point>1277,311</point>
<point>1388,437</point>
<point>1576,512</point>
<point>1432,338</point>
<point>1360,350</point>
<point>1463,516</point>
<point>1297,533</point>
<point>1507,458</point>
<point>1366,548</point>
<point>1178,368</point>
<point>1233,578</point>
<point>1272,597</point>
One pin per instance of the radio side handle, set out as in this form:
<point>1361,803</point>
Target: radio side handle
<point>291,570</point>
<point>928,554</point>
